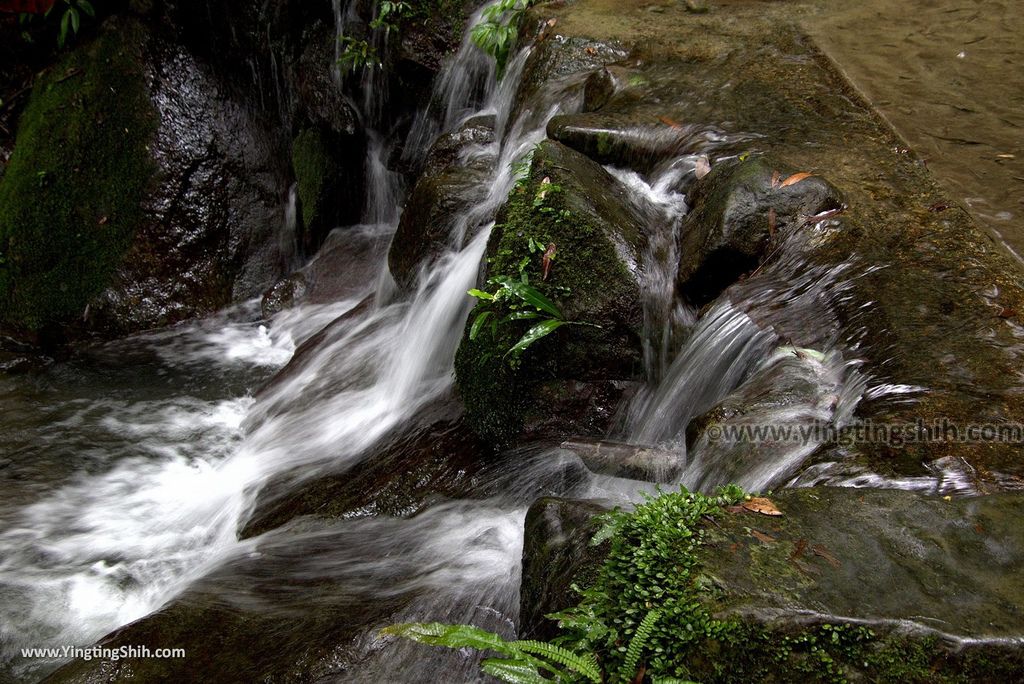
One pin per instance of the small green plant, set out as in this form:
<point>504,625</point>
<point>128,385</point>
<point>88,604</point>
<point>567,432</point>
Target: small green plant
<point>390,14</point>
<point>70,12</point>
<point>496,34</point>
<point>523,302</point>
<point>357,54</point>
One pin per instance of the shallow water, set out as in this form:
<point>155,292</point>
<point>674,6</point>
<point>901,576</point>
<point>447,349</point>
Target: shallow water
<point>949,77</point>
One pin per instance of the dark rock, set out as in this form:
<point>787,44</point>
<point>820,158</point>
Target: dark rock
<point>321,180</point>
<point>284,294</point>
<point>438,458</point>
<point>556,554</point>
<point>727,231</point>
<point>449,183</point>
<point>570,201</point>
<point>598,89</point>
<point>836,555</point>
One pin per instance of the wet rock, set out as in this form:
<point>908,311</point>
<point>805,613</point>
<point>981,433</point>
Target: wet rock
<point>598,89</point>
<point>453,178</point>
<point>651,464</point>
<point>571,202</point>
<point>624,141</point>
<point>831,560</point>
<point>274,614</point>
<point>556,554</point>
<point>797,393</point>
<point>728,231</point>
<point>438,458</point>
<point>321,179</point>
<point>177,182</point>
<point>346,267</point>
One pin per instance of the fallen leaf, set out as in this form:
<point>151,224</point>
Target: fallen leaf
<point>669,122</point>
<point>762,537</point>
<point>795,178</point>
<point>939,206</point>
<point>771,222</point>
<point>103,220</point>
<point>552,22</point>
<point>703,166</point>
<point>798,550</point>
<point>822,552</point>
<point>775,179</point>
<point>1006,312</point>
<point>549,256</point>
<point>979,529</point>
<point>590,50</point>
<point>761,505</point>
<point>1005,156</point>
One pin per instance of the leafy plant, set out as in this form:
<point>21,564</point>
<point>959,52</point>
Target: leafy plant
<point>496,34</point>
<point>390,13</point>
<point>523,302</point>
<point>70,12</point>
<point>357,53</point>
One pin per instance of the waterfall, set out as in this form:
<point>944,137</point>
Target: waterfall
<point>117,543</point>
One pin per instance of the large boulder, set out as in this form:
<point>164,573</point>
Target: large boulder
<point>813,587</point>
<point>571,203</point>
<point>155,196</point>
<point>736,209</point>
<point>452,180</point>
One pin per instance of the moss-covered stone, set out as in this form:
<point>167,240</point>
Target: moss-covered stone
<point>805,596</point>
<point>318,177</point>
<point>70,198</point>
<point>570,202</point>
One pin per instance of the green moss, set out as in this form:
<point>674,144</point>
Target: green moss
<point>316,173</point>
<point>70,198</point>
<point>655,562</point>
<point>588,280</point>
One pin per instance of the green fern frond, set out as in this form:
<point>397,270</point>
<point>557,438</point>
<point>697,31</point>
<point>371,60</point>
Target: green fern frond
<point>672,680</point>
<point>584,665</point>
<point>638,642</point>
<point>512,671</point>
<point>452,636</point>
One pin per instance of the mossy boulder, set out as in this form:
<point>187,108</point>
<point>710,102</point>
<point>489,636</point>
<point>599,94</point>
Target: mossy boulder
<point>140,192</point>
<point>319,179</point>
<point>572,203</point>
<point>70,199</point>
<point>807,595</point>
<point>735,211</point>
<point>452,180</point>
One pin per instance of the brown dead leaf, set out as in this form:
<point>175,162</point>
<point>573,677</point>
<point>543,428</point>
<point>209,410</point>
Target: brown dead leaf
<point>761,505</point>
<point>939,206</point>
<point>822,552</point>
<point>703,166</point>
<point>552,21</point>
<point>762,537</point>
<point>798,549</point>
<point>669,122</point>
<point>549,256</point>
<point>544,190</point>
<point>775,179</point>
<point>1006,312</point>
<point>590,50</point>
<point>795,178</point>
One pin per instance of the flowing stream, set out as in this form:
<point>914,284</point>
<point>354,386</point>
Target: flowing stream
<point>130,470</point>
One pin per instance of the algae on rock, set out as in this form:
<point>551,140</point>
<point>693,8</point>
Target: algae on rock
<point>70,198</point>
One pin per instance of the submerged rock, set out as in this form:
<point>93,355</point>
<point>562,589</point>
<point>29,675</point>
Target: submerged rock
<point>455,176</point>
<point>729,229</point>
<point>651,464</point>
<point>571,206</point>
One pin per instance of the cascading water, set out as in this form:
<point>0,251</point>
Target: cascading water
<point>187,450</point>
<point>124,537</point>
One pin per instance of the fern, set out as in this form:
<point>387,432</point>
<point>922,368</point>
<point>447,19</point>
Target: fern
<point>584,665</point>
<point>638,642</point>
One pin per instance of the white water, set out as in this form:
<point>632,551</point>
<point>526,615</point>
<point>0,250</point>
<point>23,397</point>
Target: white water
<point>113,546</point>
